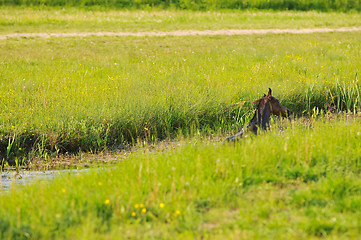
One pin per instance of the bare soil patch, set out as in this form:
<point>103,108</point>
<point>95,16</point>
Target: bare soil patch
<point>184,32</point>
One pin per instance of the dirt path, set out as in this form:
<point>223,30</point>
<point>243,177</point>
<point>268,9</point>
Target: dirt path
<point>184,32</point>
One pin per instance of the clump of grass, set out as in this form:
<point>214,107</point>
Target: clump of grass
<point>346,96</point>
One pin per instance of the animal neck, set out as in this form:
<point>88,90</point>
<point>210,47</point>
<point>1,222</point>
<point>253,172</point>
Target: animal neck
<point>261,116</point>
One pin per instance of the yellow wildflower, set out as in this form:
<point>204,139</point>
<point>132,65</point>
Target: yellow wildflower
<point>144,210</point>
<point>161,205</point>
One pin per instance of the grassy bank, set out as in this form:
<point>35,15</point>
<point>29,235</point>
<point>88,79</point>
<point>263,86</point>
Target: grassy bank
<point>303,5</point>
<point>302,183</point>
<point>89,94</point>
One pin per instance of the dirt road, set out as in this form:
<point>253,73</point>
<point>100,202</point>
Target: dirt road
<point>184,32</point>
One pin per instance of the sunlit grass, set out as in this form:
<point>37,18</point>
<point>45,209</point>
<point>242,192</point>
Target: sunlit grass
<point>302,183</point>
<point>15,19</point>
<point>86,94</point>
<point>300,180</point>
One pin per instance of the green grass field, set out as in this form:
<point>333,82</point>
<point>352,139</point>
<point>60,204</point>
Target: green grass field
<point>88,94</point>
<point>300,180</point>
<point>15,19</point>
<point>303,183</point>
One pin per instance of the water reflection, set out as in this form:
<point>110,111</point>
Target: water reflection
<point>12,178</point>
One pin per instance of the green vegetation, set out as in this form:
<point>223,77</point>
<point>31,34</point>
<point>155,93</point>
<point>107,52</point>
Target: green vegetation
<point>302,183</point>
<point>16,19</point>
<point>89,94</point>
<point>303,5</point>
<point>300,180</point>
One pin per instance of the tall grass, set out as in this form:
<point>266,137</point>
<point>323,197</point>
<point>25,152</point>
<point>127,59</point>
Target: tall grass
<point>90,94</point>
<point>303,5</point>
<point>347,96</point>
<point>300,183</point>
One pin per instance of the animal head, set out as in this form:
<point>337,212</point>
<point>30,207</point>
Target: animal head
<point>268,102</point>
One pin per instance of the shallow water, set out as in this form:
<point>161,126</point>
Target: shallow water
<point>12,179</point>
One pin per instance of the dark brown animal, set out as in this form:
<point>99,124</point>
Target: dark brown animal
<point>266,106</point>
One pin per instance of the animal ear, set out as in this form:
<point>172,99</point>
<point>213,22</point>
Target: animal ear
<point>257,101</point>
<point>269,92</point>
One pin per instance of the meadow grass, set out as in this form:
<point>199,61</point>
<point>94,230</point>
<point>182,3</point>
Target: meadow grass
<point>19,19</point>
<point>301,182</point>
<point>89,94</point>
